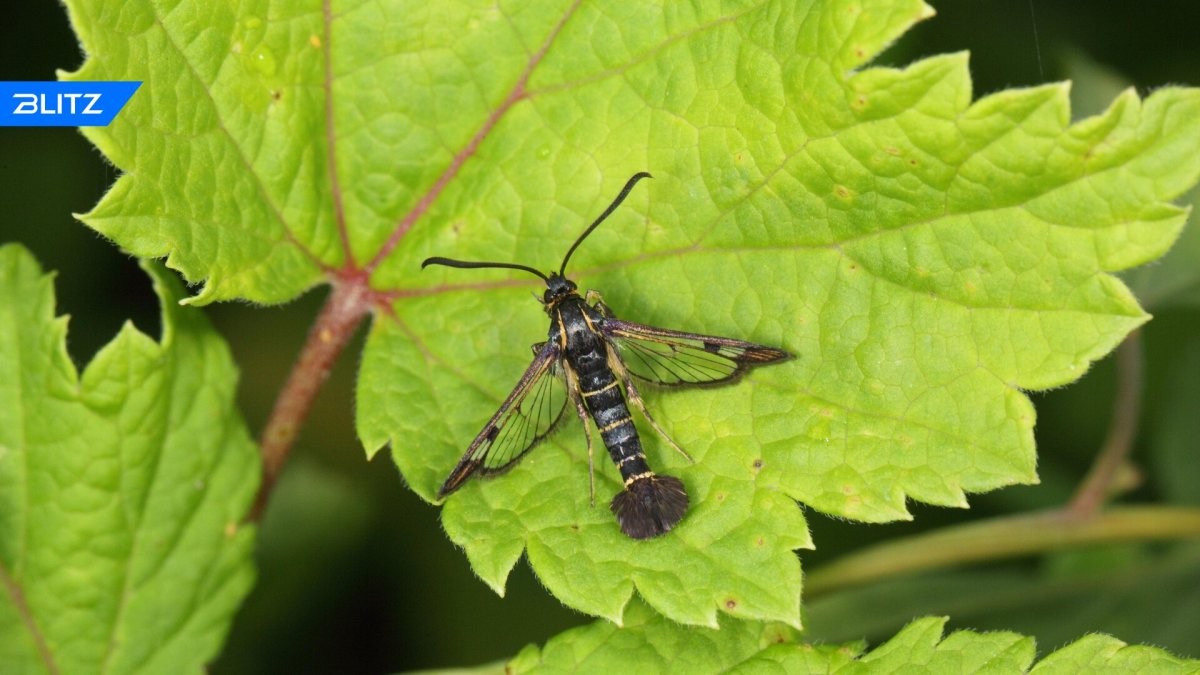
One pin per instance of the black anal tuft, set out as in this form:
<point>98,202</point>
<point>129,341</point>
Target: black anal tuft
<point>650,506</point>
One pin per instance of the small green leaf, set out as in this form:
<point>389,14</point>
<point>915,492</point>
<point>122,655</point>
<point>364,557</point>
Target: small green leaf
<point>658,645</point>
<point>1105,654</point>
<point>1153,598</point>
<point>121,491</point>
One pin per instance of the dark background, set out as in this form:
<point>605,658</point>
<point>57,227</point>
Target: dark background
<point>355,574</point>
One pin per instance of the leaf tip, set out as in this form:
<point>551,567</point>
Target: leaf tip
<point>201,299</point>
<point>494,581</point>
<point>495,576</point>
<point>371,445</point>
<point>961,57</point>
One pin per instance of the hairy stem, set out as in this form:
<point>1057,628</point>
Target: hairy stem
<point>998,538</point>
<point>345,308</point>
<point>1122,430</point>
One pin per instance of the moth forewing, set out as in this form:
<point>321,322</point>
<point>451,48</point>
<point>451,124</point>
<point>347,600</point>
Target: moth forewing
<point>675,358</point>
<point>513,431</point>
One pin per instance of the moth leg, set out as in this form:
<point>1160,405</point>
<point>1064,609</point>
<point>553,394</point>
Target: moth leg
<point>635,398</point>
<point>581,410</point>
<point>592,297</point>
<point>587,433</point>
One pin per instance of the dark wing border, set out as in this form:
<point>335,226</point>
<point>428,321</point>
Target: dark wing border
<point>677,359</point>
<point>501,432</point>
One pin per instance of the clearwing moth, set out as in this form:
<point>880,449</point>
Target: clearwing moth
<point>592,359</point>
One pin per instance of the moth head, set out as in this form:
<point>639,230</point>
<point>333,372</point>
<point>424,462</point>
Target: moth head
<point>557,288</point>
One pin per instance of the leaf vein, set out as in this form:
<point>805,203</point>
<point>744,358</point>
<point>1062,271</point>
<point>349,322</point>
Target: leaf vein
<point>289,235</point>
<point>27,618</point>
<point>517,94</point>
<point>646,55</point>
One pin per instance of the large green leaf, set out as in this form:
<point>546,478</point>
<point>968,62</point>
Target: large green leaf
<point>658,645</point>
<point>925,258</point>
<point>121,490</point>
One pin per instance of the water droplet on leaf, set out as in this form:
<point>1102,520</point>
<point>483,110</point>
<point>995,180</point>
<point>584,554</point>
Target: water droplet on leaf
<point>263,60</point>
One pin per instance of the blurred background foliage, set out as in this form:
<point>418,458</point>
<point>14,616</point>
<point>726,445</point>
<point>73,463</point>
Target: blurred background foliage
<point>355,574</point>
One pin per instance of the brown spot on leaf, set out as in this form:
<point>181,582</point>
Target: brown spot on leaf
<point>731,604</point>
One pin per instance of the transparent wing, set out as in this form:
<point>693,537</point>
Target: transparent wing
<point>527,416</point>
<point>673,358</point>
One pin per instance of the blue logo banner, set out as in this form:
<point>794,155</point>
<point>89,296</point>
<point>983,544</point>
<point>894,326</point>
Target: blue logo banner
<point>62,104</point>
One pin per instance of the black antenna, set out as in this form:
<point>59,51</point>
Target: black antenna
<point>607,212</point>
<point>470,265</point>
